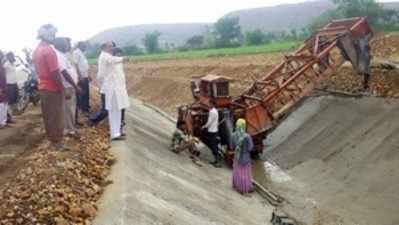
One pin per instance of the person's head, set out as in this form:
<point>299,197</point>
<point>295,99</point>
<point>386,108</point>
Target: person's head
<point>82,46</point>
<point>47,33</point>
<point>241,126</point>
<point>68,44</point>
<point>10,57</point>
<point>117,52</point>
<point>109,47</point>
<point>212,103</point>
<point>61,44</point>
<point>103,46</point>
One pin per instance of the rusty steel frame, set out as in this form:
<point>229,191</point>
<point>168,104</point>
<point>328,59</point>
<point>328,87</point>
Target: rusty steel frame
<point>270,98</point>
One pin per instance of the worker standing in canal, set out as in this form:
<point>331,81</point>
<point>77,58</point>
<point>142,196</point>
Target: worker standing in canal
<point>212,126</point>
<point>242,169</point>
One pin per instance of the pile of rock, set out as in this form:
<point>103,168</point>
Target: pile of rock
<point>59,187</point>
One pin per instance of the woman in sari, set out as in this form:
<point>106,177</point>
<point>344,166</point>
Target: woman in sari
<point>242,169</point>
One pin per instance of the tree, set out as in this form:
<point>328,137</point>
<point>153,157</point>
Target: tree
<point>255,37</point>
<point>353,8</point>
<point>132,50</point>
<point>151,42</point>
<point>195,42</point>
<point>227,32</point>
<point>294,34</point>
<point>391,20</point>
<point>325,17</point>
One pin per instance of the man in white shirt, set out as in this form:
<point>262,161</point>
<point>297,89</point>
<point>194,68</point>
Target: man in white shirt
<point>84,78</point>
<point>113,86</point>
<point>12,82</point>
<point>212,126</point>
<point>69,80</point>
<point>102,114</point>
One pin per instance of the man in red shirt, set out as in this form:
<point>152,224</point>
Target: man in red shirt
<point>50,86</point>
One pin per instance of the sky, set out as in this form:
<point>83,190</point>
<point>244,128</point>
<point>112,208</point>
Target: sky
<point>81,19</point>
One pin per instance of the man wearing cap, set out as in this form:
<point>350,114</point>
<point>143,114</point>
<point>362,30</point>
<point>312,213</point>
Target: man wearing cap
<point>50,86</point>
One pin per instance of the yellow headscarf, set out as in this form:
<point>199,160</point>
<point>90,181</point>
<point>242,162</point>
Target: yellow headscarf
<point>241,126</point>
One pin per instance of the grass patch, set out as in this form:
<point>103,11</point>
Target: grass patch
<point>209,53</point>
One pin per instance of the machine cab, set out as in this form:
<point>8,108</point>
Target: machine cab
<point>211,87</point>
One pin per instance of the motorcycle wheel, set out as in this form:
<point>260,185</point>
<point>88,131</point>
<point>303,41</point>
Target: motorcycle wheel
<point>22,104</point>
<point>35,99</point>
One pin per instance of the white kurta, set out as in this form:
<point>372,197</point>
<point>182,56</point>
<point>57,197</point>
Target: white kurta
<point>114,82</point>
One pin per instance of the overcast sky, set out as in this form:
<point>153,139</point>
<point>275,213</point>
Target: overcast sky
<point>81,19</point>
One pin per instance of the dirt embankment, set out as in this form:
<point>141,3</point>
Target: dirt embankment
<point>41,186</point>
<point>166,84</point>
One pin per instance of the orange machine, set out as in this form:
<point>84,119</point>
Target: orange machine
<point>267,100</point>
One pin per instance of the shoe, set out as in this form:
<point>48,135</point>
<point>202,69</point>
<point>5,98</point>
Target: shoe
<point>120,138</point>
<point>213,162</point>
<point>218,164</point>
<point>91,123</point>
<point>60,147</point>
<point>74,135</point>
<point>11,121</point>
<point>86,114</point>
<point>123,135</point>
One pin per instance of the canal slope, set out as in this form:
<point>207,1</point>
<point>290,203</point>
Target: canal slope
<point>152,185</point>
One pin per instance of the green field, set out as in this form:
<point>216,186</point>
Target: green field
<point>208,53</point>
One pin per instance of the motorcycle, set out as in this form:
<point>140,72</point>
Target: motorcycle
<point>27,88</point>
<point>27,94</point>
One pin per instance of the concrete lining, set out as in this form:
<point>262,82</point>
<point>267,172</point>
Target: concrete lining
<point>342,157</point>
<point>152,185</point>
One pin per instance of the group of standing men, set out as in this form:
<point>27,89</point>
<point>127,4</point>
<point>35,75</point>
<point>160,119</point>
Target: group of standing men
<point>63,75</point>
<point>64,80</point>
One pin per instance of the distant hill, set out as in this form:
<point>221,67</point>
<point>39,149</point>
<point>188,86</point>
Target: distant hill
<point>171,33</point>
<point>281,17</point>
<point>276,18</point>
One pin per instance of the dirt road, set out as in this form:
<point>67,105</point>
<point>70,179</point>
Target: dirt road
<point>17,139</point>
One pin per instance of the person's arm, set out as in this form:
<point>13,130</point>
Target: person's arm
<point>69,79</point>
<point>56,76</point>
<point>110,59</point>
<point>77,61</point>
<point>250,143</point>
<point>52,63</point>
<point>233,141</point>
